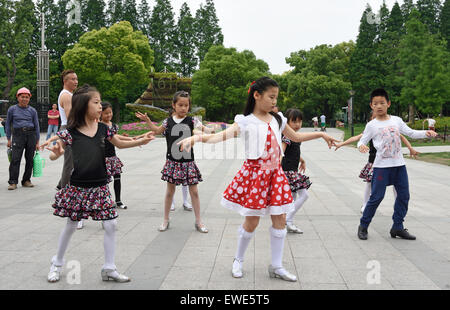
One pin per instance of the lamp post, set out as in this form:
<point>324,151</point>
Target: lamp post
<point>350,111</point>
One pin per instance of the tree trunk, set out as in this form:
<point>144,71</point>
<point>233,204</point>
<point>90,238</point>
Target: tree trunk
<point>11,76</point>
<point>411,113</point>
<point>116,107</point>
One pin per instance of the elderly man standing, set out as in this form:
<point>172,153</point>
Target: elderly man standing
<point>22,123</point>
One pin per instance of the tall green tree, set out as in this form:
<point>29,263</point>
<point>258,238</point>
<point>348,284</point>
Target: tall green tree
<point>429,13</point>
<point>364,65</point>
<point>319,82</point>
<point>144,17</point>
<point>162,35</point>
<point>117,60</point>
<point>445,22</point>
<point>94,15</point>
<point>407,7</point>
<point>115,12</point>
<point>130,13</point>
<point>185,42</point>
<point>222,82</point>
<point>208,31</point>
<point>411,50</point>
<point>16,36</point>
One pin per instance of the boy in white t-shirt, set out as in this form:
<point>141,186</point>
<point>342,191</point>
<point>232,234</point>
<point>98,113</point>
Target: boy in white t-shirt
<point>389,165</point>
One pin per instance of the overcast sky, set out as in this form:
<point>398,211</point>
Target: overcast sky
<point>273,29</point>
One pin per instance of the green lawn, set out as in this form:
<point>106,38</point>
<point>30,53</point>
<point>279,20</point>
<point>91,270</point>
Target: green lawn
<point>437,158</point>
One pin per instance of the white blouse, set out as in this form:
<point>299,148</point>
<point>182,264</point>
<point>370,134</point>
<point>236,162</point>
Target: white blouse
<point>254,133</point>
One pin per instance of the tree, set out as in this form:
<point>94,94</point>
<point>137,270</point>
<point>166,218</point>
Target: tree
<point>429,13</point>
<point>117,60</point>
<point>208,31</point>
<point>445,22</point>
<point>411,49</point>
<point>222,82</point>
<point>162,32</point>
<point>432,91</point>
<point>144,17</point>
<point>16,36</point>
<point>114,12</point>
<point>320,82</point>
<point>94,16</point>
<point>407,7</point>
<point>130,13</point>
<point>364,65</point>
<point>185,42</point>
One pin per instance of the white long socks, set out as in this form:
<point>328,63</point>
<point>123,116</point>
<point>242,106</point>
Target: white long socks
<point>243,242</point>
<point>185,190</point>
<point>301,197</point>
<point>63,242</point>
<point>277,237</point>
<point>109,243</point>
<point>367,193</point>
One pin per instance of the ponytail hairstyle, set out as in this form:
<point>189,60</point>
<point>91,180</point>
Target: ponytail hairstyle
<point>177,96</point>
<point>260,86</point>
<point>80,100</point>
<point>294,115</point>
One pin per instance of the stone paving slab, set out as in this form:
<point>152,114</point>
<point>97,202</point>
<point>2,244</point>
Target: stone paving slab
<point>327,256</point>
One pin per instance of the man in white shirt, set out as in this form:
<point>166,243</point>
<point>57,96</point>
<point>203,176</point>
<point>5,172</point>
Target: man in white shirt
<point>389,166</point>
<point>431,124</point>
<point>323,122</point>
<point>315,122</point>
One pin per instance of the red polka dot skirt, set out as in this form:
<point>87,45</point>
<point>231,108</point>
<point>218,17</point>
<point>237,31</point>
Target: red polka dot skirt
<point>260,187</point>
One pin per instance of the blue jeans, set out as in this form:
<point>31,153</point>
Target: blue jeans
<point>383,177</point>
<point>51,129</point>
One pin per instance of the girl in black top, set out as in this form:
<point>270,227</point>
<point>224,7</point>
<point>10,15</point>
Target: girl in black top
<point>180,167</point>
<point>88,194</point>
<point>298,182</point>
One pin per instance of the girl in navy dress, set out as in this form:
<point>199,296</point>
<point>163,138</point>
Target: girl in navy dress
<point>88,194</point>
<point>291,161</point>
<point>260,187</point>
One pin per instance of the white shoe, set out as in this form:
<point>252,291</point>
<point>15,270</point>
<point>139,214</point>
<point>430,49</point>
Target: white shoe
<point>54,275</point>
<point>80,225</point>
<point>172,208</point>
<point>110,274</point>
<point>281,273</point>
<point>236,271</point>
<point>291,228</point>
<point>187,206</point>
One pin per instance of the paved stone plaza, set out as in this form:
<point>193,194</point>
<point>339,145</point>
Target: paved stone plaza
<point>328,255</point>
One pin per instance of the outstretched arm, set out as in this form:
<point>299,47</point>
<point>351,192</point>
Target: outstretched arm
<point>121,144</point>
<point>348,141</point>
<point>307,136</point>
<point>412,152</point>
<point>156,129</point>
<point>231,132</point>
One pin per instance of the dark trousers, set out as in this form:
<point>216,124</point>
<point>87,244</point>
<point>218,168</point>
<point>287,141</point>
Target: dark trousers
<point>22,141</point>
<point>383,177</point>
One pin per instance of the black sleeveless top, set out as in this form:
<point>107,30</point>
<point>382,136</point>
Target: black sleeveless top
<point>372,152</point>
<point>174,133</point>
<point>110,149</point>
<point>291,159</point>
<point>89,167</point>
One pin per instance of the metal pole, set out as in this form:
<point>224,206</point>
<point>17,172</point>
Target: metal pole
<point>351,115</point>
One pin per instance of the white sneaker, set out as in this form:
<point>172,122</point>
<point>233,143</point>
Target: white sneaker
<point>236,272</point>
<point>80,225</point>
<point>187,206</point>
<point>172,208</point>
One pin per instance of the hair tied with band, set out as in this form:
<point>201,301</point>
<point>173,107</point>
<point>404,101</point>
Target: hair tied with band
<point>250,88</point>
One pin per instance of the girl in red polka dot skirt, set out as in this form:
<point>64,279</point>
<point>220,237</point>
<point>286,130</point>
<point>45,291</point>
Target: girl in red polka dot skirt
<point>260,187</point>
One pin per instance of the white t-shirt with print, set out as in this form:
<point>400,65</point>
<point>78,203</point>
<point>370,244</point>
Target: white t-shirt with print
<point>386,139</point>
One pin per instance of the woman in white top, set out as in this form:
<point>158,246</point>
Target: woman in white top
<point>260,187</point>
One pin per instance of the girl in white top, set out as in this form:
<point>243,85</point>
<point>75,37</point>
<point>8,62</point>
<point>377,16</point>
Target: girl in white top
<point>260,187</point>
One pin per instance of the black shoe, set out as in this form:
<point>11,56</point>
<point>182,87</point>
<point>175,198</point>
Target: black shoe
<point>362,233</point>
<point>404,234</point>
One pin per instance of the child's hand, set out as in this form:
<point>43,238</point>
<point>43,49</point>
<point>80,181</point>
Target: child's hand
<point>187,144</point>
<point>338,146</point>
<point>43,145</point>
<point>330,140</point>
<point>143,117</point>
<point>302,168</point>
<point>431,133</point>
<point>57,150</point>
<point>149,136</point>
<point>413,153</point>
<point>364,149</point>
